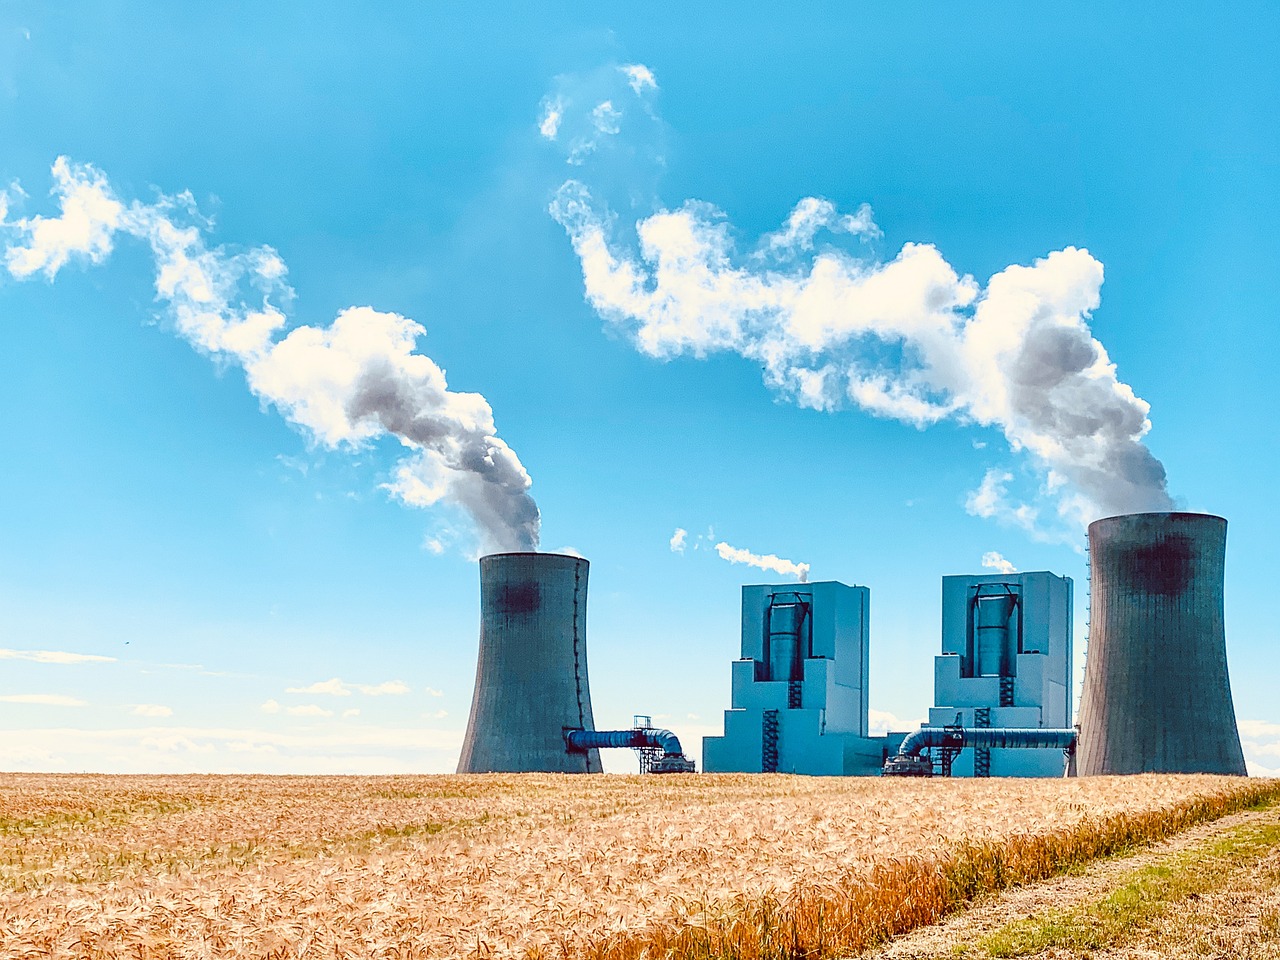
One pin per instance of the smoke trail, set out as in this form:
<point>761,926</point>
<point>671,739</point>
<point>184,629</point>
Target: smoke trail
<point>345,384</point>
<point>763,562</point>
<point>908,338</point>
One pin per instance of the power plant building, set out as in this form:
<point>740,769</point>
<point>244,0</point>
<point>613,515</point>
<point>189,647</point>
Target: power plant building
<point>1005,663</point>
<point>1157,697</point>
<point>531,675</point>
<point>799,690</point>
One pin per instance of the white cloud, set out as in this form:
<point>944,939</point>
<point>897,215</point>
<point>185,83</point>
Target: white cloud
<point>907,338</point>
<point>90,215</point>
<point>316,749</point>
<point>151,710</point>
<point>271,706</point>
<point>991,560</point>
<point>1261,742</point>
<point>764,562</point>
<point>43,699</point>
<point>434,545</point>
<point>54,656</point>
<point>308,710</point>
<point>347,384</point>
<point>552,114</point>
<point>881,722</point>
<point>334,687</point>
<point>678,540</point>
<point>639,77</point>
<point>353,712</point>
<point>431,692</point>
<point>337,687</point>
<point>607,118</point>
<point>436,715</point>
<point>991,501</point>
<point>391,687</point>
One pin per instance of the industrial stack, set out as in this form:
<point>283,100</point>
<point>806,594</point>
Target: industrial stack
<point>1005,663</point>
<point>799,691</point>
<point>1157,697</point>
<point>531,676</point>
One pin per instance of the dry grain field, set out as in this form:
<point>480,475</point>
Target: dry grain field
<point>543,866</point>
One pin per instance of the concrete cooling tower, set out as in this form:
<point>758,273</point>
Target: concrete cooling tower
<point>531,677</point>
<point>1156,693</point>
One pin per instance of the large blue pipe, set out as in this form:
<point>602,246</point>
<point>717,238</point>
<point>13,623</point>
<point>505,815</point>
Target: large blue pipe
<point>579,741</point>
<point>957,738</point>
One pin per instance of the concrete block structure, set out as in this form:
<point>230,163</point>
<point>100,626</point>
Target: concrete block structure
<point>1156,696</point>
<point>1006,662</point>
<point>799,690</point>
<point>531,675</point>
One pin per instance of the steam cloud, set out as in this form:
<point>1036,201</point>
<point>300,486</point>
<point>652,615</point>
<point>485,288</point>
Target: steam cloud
<point>766,562</point>
<point>992,560</point>
<point>908,338</point>
<point>345,384</point>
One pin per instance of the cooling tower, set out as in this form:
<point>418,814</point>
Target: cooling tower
<point>1156,694</point>
<point>531,677</point>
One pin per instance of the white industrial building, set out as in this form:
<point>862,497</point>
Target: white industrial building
<point>1005,662</point>
<point>799,691</point>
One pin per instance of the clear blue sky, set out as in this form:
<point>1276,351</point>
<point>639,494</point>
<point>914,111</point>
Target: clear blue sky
<point>230,562</point>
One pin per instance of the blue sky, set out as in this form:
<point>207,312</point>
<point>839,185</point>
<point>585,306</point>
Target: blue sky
<point>227,551</point>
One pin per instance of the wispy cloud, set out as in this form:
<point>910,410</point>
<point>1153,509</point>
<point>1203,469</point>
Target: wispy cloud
<point>763,561</point>
<point>43,699</point>
<point>151,710</point>
<point>552,112</point>
<point>312,748</point>
<point>640,77</point>
<point>308,710</point>
<point>1261,742</point>
<point>991,560</point>
<point>54,656</point>
<point>678,540</point>
<point>337,687</point>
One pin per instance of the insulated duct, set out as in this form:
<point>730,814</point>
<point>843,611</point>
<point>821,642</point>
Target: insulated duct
<point>531,675</point>
<point>990,738</point>
<point>636,738</point>
<point>1156,696</point>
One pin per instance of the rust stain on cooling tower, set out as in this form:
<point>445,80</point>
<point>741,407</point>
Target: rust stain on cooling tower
<point>519,598</point>
<point>1162,568</point>
<point>1156,695</point>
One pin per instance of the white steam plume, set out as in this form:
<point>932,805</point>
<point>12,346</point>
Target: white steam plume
<point>766,562</point>
<point>908,338</point>
<point>992,560</point>
<point>344,384</point>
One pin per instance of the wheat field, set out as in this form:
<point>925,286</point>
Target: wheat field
<point>540,866</point>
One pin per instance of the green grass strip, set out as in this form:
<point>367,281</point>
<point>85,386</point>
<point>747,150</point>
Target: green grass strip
<point>1141,899</point>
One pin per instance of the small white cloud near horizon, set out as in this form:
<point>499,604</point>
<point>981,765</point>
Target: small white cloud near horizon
<point>678,540</point>
<point>44,699</point>
<point>992,560</point>
<point>54,656</point>
<point>308,710</point>
<point>766,561</point>
<point>151,710</point>
<point>353,712</point>
<point>337,687</point>
<point>271,706</point>
<point>881,722</point>
<point>640,77</point>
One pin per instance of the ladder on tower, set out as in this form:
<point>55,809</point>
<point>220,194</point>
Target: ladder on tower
<point>982,755</point>
<point>769,742</point>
